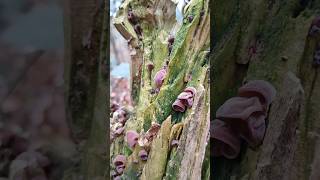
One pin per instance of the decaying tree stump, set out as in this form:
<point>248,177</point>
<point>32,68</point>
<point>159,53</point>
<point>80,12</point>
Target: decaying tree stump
<point>270,40</point>
<point>148,26</point>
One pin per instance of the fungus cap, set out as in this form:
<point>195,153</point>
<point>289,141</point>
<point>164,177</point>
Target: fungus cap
<point>132,138</point>
<point>159,77</point>
<point>143,154</point>
<point>263,89</point>
<point>178,106</point>
<point>239,108</point>
<point>225,141</point>
<point>192,90</point>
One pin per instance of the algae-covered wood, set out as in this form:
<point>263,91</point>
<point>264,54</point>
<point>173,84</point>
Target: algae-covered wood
<point>187,64</point>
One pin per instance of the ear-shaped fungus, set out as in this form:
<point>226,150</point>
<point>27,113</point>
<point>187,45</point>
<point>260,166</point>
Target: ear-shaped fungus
<point>159,77</point>
<point>237,112</point>
<point>260,88</point>
<point>143,154</point>
<point>239,108</point>
<point>119,162</point>
<point>132,138</point>
<point>178,106</point>
<point>225,141</point>
<point>185,99</point>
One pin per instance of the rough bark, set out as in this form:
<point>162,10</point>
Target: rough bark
<point>87,85</point>
<point>278,30</point>
<point>189,58</point>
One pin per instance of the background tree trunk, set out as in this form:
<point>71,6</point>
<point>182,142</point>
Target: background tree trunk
<point>259,39</point>
<point>188,66</point>
<point>86,45</point>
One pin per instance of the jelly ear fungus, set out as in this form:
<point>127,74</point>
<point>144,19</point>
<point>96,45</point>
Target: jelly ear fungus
<point>242,118</point>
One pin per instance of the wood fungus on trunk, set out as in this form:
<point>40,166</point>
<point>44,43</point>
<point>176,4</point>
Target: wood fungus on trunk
<point>143,154</point>
<point>132,18</point>
<point>184,99</point>
<point>119,163</point>
<point>159,77</point>
<point>243,116</point>
<point>225,140</point>
<point>132,138</point>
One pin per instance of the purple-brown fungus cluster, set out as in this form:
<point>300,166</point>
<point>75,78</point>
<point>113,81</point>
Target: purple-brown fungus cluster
<point>242,118</point>
<point>134,21</point>
<point>185,99</point>
<point>135,139</point>
<point>119,117</point>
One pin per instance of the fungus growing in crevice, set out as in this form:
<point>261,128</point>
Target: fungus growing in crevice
<point>143,154</point>
<point>159,77</point>
<point>132,138</point>
<point>226,141</point>
<point>174,143</point>
<point>184,99</point>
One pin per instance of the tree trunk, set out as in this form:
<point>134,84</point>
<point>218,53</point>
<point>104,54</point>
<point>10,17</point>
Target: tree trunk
<point>269,40</point>
<point>188,65</point>
<point>86,83</point>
